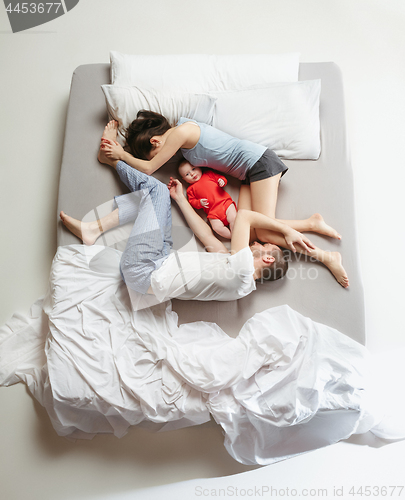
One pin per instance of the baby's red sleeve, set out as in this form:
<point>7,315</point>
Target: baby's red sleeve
<point>194,202</point>
<point>217,177</point>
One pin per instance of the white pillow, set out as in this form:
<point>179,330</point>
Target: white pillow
<point>202,73</point>
<point>283,117</point>
<point>123,103</point>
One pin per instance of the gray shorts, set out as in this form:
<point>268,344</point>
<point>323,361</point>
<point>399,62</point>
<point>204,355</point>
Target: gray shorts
<point>268,165</point>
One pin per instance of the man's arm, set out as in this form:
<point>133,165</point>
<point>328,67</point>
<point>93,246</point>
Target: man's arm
<point>247,219</point>
<point>199,227</point>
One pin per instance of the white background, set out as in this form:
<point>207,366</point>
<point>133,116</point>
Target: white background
<point>366,39</point>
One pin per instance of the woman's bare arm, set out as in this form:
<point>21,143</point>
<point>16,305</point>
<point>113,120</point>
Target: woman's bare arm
<point>178,137</point>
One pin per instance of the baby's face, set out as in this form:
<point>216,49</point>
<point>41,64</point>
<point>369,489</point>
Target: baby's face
<point>189,173</point>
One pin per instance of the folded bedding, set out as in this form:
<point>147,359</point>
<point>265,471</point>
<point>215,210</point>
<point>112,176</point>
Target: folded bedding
<point>285,385</point>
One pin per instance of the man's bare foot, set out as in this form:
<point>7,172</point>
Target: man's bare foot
<point>111,130</point>
<point>103,158</point>
<point>88,232</point>
<point>318,225</point>
<point>333,261</point>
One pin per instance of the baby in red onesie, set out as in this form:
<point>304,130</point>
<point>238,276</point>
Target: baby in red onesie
<point>206,192</point>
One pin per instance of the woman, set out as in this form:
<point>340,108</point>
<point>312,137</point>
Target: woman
<point>152,142</point>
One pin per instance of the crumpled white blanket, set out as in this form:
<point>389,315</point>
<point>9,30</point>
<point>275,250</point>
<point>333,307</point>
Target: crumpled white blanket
<point>284,386</point>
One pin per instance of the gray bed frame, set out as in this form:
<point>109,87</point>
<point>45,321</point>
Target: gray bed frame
<point>324,186</point>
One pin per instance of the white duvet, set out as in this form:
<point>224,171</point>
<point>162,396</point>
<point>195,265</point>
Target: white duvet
<point>284,386</point>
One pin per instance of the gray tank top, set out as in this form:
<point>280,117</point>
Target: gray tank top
<point>221,151</point>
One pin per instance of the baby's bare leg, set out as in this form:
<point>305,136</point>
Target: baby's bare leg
<point>231,216</point>
<point>220,229</point>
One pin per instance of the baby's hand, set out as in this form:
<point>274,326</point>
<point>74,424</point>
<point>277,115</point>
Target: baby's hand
<point>204,202</point>
<point>221,183</point>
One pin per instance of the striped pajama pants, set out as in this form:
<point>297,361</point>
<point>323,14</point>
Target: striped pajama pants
<point>150,241</point>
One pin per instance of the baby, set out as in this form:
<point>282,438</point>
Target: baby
<point>206,192</point>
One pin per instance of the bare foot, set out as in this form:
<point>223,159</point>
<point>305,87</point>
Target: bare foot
<point>111,130</point>
<point>333,262</point>
<point>320,226</point>
<point>103,158</point>
<point>88,232</point>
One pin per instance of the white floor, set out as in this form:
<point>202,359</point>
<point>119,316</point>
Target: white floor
<point>366,38</point>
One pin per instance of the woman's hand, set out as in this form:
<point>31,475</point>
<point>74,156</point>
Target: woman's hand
<point>112,149</point>
<point>292,237</point>
<point>175,189</point>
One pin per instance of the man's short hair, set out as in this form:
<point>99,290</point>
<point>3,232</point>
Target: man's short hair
<point>276,269</point>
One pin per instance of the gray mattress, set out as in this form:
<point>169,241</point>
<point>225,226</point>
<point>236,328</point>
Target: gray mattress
<point>324,186</point>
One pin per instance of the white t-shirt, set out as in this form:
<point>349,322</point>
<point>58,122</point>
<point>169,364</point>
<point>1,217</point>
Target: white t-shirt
<point>205,276</point>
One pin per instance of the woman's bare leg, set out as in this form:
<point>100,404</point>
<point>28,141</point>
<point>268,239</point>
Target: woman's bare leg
<point>332,260</point>
<point>263,199</point>
<point>314,224</point>
<point>245,202</point>
<point>264,195</point>
<point>110,132</point>
<point>88,232</point>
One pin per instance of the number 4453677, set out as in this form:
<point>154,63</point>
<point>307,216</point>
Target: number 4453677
<point>34,8</point>
<point>376,491</point>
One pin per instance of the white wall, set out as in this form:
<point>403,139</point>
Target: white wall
<point>364,37</point>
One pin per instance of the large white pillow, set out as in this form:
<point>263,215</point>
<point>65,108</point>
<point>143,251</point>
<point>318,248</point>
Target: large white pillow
<point>202,73</point>
<point>123,103</point>
<point>284,117</point>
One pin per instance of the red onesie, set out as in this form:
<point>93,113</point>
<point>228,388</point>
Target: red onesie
<point>218,199</point>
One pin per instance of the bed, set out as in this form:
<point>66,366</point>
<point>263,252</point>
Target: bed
<point>324,185</point>
<point>101,368</point>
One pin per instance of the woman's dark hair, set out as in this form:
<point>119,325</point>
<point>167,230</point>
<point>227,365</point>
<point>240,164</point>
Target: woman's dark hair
<point>140,132</point>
